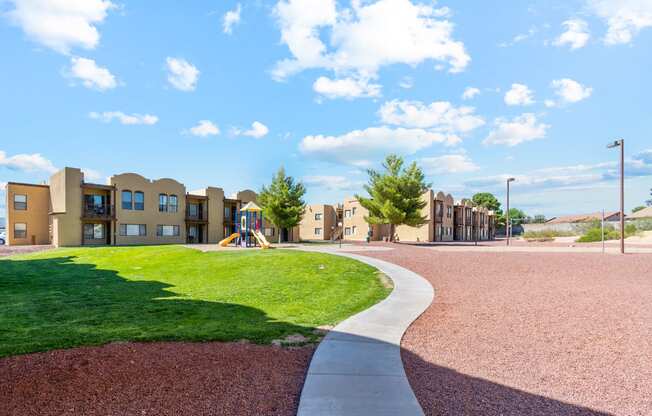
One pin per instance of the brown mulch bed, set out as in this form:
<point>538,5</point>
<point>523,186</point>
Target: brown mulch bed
<point>6,250</point>
<point>165,378</point>
<point>531,333</point>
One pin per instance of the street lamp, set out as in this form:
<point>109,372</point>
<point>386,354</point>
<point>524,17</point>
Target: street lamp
<point>508,228</point>
<point>621,143</point>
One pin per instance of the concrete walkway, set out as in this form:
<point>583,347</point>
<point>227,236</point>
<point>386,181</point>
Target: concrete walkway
<point>357,368</point>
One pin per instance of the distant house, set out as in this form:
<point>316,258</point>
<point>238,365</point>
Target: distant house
<point>610,216</point>
<point>642,214</point>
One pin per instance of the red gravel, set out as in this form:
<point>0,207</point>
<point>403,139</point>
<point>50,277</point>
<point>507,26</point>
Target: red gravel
<point>9,250</point>
<point>155,379</point>
<point>531,333</point>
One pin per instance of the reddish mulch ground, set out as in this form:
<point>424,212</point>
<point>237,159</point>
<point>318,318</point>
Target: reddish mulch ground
<point>155,379</point>
<point>9,250</point>
<point>531,333</point>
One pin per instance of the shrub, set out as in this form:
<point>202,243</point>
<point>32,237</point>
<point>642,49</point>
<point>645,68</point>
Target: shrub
<point>546,234</point>
<point>594,233</point>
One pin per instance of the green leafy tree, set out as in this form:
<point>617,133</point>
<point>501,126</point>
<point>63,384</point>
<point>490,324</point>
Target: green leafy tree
<point>637,209</point>
<point>649,201</point>
<point>539,219</point>
<point>395,195</point>
<point>516,216</point>
<point>282,202</point>
<point>489,201</point>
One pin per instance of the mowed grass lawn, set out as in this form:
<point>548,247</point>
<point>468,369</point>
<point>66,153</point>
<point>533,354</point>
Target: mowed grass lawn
<point>88,296</point>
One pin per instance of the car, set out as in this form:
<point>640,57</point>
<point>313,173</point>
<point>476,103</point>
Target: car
<point>3,238</point>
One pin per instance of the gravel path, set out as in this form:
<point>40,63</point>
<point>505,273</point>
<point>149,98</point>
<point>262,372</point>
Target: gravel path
<point>535,334</point>
<point>155,379</point>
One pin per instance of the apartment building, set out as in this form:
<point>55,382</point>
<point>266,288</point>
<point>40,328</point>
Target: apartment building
<point>354,225</point>
<point>129,210</point>
<point>319,223</point>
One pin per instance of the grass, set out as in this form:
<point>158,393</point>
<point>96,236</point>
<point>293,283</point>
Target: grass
<point>90,296</point>
<point>547,234</point>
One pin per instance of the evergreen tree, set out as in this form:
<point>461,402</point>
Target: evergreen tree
<point>282,202</point>
<point>395,195</point>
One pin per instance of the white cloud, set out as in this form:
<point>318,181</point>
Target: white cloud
<point>520,94</point>
<point>182,75</point>
<point>406,83</point>
<point>624,18</point>
<point>258,130</point>
<point>456,163</point>
<point>362,38</point>
<point>91,75</point>
<point>366,147</point>
<point>470,93</point>
<point>61,25</point>
<point>91,175</point>
<point>570,91</point>
<point>128,119</point>
<point>576,35</point>
<point>3,186</point>
<point>521,129</point>
<point>331,183</point>
<point>231,18</point>
<point>348,88</point>
<point>440,116</point>
<point>26,163</point>
<point>205,128</point>
<point>519,38</point>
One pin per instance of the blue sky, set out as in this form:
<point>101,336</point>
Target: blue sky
<point>222,93</point>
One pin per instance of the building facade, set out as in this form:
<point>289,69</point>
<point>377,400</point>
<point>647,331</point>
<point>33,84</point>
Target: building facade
<point>129,210</point>
<point>319,223</point>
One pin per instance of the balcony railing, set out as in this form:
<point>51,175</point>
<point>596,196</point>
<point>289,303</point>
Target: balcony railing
<point>196,216</point>
<point>98,211</point>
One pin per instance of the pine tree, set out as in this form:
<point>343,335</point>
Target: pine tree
<point>282,202</point>
<point>395,195</point>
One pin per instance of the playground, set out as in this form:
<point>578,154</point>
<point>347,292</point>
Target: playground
<point>249,230</point>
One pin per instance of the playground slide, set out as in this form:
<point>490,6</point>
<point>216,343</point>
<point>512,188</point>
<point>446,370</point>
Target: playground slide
<point>261,239</point>
<point>228,239</point>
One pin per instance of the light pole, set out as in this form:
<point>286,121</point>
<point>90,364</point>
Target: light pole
<point>508,228</point>
<point>621,143</point>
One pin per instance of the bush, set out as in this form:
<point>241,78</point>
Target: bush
<point>593,234</point>
<point>642,225</point>
<point>546,234</point>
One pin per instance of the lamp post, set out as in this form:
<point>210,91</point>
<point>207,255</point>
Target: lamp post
<point>621,143</point>
<point>508,228</point>
<point>339,224</point>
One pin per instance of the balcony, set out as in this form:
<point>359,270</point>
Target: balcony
<point>196,216</point>
<point>98,211</point>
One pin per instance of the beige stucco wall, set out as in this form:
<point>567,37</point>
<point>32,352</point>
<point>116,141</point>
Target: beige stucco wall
<point>426,231</point>
<point>150,216</point>
<point>66,195</point>
<point>35,216</point>
<point>215,214</point>
<point>358,221</point>
<point>309,223</point>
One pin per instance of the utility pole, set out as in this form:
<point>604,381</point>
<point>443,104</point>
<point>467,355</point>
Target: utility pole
<point>508,228</point>
<point>621,143</point>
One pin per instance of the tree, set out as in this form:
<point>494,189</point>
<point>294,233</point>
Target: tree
<point>282,202</point>
<point>516,216</point>
<point>637,209</point>
<point>487,200</point>
<point>539,219</point>
<point>649,201</point>
<point>395,195</point>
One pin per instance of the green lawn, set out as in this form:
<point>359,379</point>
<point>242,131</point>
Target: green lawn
<point>89,296</point>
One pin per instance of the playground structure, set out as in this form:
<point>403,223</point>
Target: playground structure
<point>248,231</point>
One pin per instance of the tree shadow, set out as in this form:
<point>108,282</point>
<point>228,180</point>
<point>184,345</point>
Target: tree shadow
<point>57,303</point>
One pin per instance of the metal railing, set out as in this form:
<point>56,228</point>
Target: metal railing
<point>98,210</point>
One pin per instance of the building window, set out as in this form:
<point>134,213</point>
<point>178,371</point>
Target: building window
<point>347,231</point>
<point>94,232</point>
<point>227,213</point>
<point>139,201</point>
<point>449,212</point>
<point>133,230</point>
<point>347,213</point>
<point>20,230</point>
<point>354,230</point>
<point>318,216</point>
<point>269,232</point>
<point>163,203</point>
<point>174,204</point>
<point>353,211</point>
<point>20,202</point>
<point>167,230</point>
<point>317,231</point>
<point>127,202</point>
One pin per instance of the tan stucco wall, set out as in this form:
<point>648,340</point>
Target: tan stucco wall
<point>35,216</point>
<point>150,216</point>
<point>215,214</point>
<point>309,223</point>
<point>358,220</point>
<point>424,232</point>
<point>66,195</point>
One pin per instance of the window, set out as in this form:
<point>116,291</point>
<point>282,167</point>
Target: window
<point>163,203</point>
<point>127,202</point>
<point>139,201</point>
<point>449,212</point>
<point>317,231</point>
<point>94,231</point>
<point>20,202</point>
<point>354,230</point>
<point>193,210</point>
<point>167,230</point>
<point>269,232</point>
<point>133,230</point>
<point>347,213</point>
<point>318,216</point>
<point>347,231</point>
<point>174,204</point>
<point>353,211</point>
<point>20,230</point>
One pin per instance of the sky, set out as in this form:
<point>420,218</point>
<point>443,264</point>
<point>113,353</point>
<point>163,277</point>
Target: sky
<point>223,93</point>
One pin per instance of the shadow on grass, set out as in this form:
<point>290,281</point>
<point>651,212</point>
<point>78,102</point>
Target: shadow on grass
<point>57,303</point>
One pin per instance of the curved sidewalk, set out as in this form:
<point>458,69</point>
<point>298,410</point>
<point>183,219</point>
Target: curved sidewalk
<point>357,368</point>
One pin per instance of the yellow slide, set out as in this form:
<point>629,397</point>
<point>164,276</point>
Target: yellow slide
<point>261,239</point>
<point>228,239</point>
